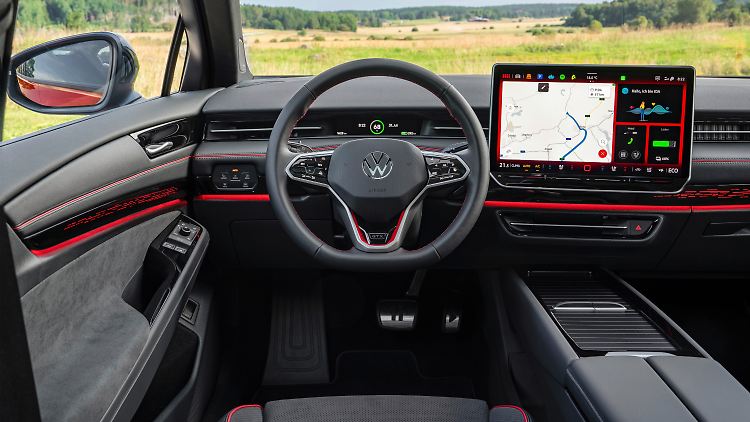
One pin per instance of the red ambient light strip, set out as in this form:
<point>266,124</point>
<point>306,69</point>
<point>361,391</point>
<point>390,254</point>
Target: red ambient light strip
<point>148,211</point>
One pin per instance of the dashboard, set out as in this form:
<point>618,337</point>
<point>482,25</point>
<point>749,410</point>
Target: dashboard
<point>702,225</point>
<point>617,128</point>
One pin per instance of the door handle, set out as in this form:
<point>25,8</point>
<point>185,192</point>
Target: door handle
<point>153,149</point>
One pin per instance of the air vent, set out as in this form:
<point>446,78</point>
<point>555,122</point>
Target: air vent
<point>722,130</point>
<point>450,129</point>
<point>596,318</point>
<point>254,130</point>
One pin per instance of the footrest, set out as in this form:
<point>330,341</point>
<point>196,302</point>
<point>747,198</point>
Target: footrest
<point>297,351</point>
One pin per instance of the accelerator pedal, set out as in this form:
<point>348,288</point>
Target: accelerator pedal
<point>397,315</point>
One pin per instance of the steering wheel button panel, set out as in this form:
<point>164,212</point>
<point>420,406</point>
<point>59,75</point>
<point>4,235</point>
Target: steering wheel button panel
<point>444,169</point>
<point>311,168</point>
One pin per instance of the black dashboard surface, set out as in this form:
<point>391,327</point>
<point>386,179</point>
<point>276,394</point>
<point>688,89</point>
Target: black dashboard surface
<point>712,95</point>
<point>716,162</point>
<point>717,198</point>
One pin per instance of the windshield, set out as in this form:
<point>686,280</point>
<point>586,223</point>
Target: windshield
<point>469,36</point>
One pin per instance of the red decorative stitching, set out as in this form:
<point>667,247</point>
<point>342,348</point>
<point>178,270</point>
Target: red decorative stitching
<point>510,406</point>
<point>101,189</point>
<point>96,191</point>
<point>238,155</point>
<point>236,409</point>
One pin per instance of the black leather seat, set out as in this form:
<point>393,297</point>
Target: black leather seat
<point>376,409</point>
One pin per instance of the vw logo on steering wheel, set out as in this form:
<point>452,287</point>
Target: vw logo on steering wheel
<point>377,165</point>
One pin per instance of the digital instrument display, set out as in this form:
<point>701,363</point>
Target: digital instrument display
<point>378,126</point>
<point>620,128</point>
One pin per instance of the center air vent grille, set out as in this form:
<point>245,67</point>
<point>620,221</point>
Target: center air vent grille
<point>450,129</point>
<point>721,130</point>
<point>253,130</point>
<point>597,318</point>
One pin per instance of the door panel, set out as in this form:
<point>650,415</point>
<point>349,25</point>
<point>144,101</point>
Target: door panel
<point>83,337</point>
<point>26,161</point>
<point>104,174</point>
<point>88,217</point>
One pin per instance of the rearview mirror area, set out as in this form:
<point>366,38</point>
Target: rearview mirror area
<point>82,74</point>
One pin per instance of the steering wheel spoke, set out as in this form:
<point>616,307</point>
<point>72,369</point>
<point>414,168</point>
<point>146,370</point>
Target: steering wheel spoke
<point>444,169</point>
<point>310,168</point>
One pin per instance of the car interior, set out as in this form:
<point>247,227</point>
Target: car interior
<point>373,243</point>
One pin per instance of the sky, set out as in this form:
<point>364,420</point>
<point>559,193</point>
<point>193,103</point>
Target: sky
<point>328,5</point>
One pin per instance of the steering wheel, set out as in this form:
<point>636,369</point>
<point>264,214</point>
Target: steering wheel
<point>378,184</point>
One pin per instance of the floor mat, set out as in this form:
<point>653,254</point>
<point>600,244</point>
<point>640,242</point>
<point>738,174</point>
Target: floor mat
<point>374,372</point>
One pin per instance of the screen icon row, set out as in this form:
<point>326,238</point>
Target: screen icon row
<point>538,76</point>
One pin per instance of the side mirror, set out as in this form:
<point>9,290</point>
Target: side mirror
<point>81,74</point>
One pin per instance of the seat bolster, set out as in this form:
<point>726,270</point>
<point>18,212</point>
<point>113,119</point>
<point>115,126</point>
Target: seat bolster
<point>244,413</point>
<point>508,413</point>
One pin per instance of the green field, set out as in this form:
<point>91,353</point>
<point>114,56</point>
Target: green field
<point>471,48</point>
<point>444,47</point>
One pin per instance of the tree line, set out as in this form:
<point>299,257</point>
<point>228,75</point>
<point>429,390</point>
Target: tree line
<point>658,13</point>
<point>459,13</point>
<point>290,18</point>
<point>130,15</point>
<point>268,17</point>
<point>156,15</point>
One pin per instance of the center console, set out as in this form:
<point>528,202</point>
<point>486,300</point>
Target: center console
<point>607,353</point>
<point>607,128</point>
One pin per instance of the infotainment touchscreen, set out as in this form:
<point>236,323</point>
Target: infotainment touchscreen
<point>619,128</point>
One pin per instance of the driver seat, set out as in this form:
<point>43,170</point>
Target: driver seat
<point>376,409</point>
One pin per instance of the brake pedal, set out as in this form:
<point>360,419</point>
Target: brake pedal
<point>452,316</point>
<point>397,315</point>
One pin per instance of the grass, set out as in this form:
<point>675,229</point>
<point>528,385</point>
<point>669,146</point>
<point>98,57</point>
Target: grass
<point>461,48</point>
<point>455,48</point>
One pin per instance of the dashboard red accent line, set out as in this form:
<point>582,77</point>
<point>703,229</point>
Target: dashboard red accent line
<point>148,211</point>
<point>587,207</point>
<point>725,207</point>
<point>252,197</point>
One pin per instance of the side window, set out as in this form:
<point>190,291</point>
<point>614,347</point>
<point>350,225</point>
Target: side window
<point>79,73</point>
<point>180,61</point>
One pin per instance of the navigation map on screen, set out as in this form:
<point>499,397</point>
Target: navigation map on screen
<point>557,121</point>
